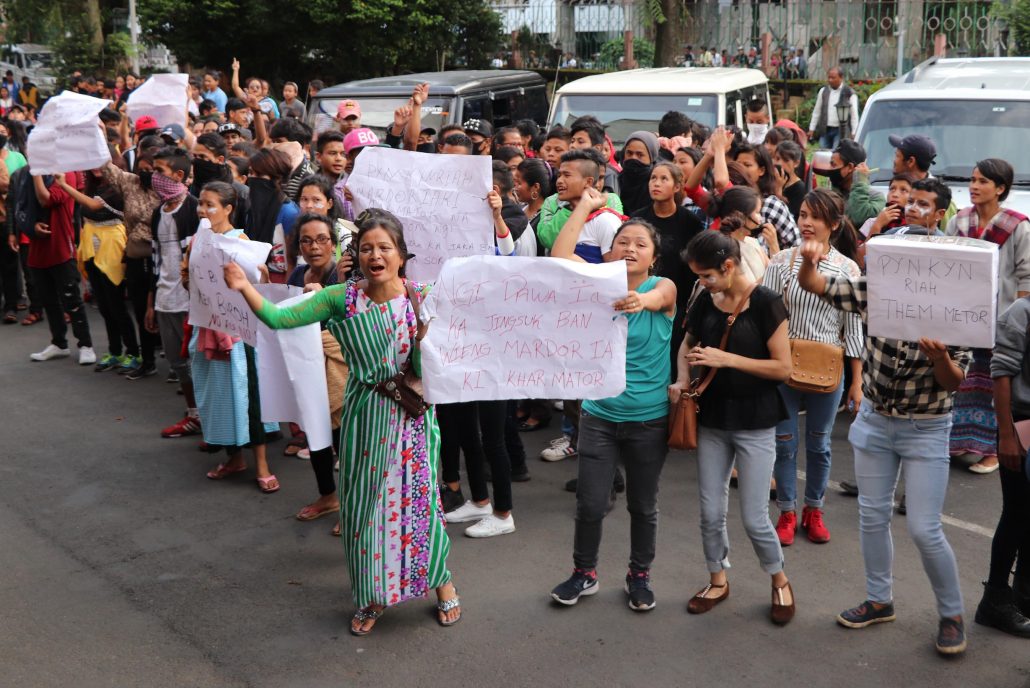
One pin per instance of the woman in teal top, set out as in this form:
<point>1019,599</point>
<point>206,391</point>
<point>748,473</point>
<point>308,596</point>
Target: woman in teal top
<point>632,427</point>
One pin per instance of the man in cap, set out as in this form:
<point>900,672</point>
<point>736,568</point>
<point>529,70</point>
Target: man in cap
<point>348,116</point>
<point>233,134</point>
<point>849,175</point>
<point>174,135</point>
<point>481,133</point>
<point>914,155</point>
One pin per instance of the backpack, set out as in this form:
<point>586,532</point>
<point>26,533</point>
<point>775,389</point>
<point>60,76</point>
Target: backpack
<point>27,210</point>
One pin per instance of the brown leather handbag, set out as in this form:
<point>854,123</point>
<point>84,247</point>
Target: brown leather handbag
<point>683,425</point>
<point>816,367</point>
<point>405,388</point>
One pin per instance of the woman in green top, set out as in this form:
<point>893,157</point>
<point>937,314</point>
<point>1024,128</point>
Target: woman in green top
<point>391,521</point>
<point>631,428</point>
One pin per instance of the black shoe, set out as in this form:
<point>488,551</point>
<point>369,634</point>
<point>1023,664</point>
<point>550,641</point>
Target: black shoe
<point>866,614</point>
<point>1021,594</point>
<point>452,499</point>
<point>571,485</point>
<point>849,487</point>
<point>579,584</point>
<point>998,610</point>
<point>145,370</point>
<point>173,378</point>
<point>619,483</point>
<point>520,477</point>
<point>951,637</point>
<point>902,508</point>
<point>638,587</point>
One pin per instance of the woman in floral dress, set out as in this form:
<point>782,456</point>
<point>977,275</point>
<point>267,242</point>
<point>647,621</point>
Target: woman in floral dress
<point>391,521</point>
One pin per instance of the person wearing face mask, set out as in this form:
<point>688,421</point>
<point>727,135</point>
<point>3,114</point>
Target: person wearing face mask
<point>757,120</point>
<point>209,165</point>
<point>849,176</point>
<point>639,156</point>
<point>272,214</point>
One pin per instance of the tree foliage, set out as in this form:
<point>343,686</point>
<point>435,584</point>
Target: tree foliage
<point>613,51</point>
<point>1017,14</point>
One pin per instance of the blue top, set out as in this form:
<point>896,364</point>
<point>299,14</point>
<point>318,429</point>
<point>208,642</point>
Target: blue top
<point>648,372</point>
<point>217,96</point>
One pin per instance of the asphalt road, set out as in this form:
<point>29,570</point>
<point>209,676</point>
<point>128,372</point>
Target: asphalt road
<point>122,565</point>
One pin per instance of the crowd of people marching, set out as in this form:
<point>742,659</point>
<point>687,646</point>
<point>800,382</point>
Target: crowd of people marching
<point>737,261</point>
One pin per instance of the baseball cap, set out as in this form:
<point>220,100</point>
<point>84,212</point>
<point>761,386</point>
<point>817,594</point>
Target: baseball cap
<point>359,138</point>
<point>427,131</point>
<point>850,151</point>
<point>348,108</point>
<point>229,127</point>
<point>146,123</point>
<point>175,132</point>
<point>478,126</point>
<point>916,146</point>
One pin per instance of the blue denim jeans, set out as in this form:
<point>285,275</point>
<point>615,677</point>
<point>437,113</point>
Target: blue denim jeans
<point>919,447</point>
<point>821,411</point>
<point>830,139</point>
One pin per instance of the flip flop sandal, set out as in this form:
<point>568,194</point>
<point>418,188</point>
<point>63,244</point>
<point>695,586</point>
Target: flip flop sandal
<point>223,472</point>
<point>32,319</point>
<point>336,530</point>
<point>361,616</point>
<point>310,515</point>
<point>263,483</point>
<point>447,605</point>
<point>295,445</point>
<point>532,427</point>
<point>10,319</point>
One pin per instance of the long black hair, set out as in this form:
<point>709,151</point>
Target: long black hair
<point>377,218</point>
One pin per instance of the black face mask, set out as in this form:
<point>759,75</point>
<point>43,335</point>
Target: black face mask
<point>836,177</point>
<point>426,148</point>
<point>144,178</point>
<point>3,141</point>
<point>205,171</point>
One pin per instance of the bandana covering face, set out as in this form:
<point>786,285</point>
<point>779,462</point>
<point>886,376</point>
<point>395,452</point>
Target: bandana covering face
<point>166,188</point>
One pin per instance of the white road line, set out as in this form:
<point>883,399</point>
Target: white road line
<point>948,520</point>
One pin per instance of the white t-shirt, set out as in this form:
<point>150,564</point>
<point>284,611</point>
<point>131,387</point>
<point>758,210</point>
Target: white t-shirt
<point>171,296</point>
<point>597,236</point>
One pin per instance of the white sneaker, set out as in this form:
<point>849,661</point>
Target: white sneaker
<point>491,526</point>
<point>469,511</point>
<point>87,356</point>
<point>559,405</point>
<point>51,351</point>
<point>560,448</point>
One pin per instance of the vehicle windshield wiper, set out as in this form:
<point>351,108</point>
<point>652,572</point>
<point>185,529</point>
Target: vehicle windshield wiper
<point>952,178</point>
<point>1021,182</point>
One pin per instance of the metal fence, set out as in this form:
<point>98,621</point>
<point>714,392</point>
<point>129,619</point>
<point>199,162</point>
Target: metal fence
<point>865,36</point>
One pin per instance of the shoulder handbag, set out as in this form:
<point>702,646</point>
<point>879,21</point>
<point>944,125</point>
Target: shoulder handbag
<point>683,426</point>
<point>816,367</point>
<point>405,388</point>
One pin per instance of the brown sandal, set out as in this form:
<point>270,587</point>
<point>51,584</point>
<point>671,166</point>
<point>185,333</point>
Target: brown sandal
<point>781,613</point>
<point>699,604</point>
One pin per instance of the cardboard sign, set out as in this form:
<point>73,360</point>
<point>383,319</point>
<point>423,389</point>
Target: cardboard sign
<point>440,200</point>
<point>163,97</point>
<point>524,328</point>
<point>943,288</point>
<point>68,137</point>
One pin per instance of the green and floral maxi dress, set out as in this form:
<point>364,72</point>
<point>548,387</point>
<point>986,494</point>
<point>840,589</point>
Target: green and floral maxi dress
<point>392,523</point>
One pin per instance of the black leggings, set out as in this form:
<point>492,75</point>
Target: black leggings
<point>1012,537</point>
<point>492,418</point>
<point>10,277</point>
<point>322,462</point>
<point>459,433</point>
<point>137,284</point>
<point>110,298</point>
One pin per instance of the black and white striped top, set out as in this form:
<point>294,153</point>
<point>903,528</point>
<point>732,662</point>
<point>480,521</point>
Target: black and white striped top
<point>809,316</point>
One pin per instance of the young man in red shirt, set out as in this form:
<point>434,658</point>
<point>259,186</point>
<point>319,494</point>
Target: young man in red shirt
<point>52,261</point>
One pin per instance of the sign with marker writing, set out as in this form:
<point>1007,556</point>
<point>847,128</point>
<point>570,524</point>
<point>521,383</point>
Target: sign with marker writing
<point>524,328</point>
<point>213,304</point>
<point>943,288</point>
<point>68,137</point>
<point>163,97</point>
<point>440,200</point>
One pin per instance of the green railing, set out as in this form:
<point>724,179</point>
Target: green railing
<point>866,37</point>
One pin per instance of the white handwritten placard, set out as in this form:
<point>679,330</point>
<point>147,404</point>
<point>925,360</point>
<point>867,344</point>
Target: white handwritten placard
<point>291,371</point>
<point>212,303</point>
<point>163,97</point>
<point>440,200</point>
<point>943,288</point>
<point>68,137</point>
<point>524,328</point>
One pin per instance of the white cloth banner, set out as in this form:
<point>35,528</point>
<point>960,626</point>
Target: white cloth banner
<point>524,328</point>
<point>943,288</point>
<point>68,137</point>
<point>213,304</point>
<point>440,200</point>
<point>291,371</point>
<point>163,97</point>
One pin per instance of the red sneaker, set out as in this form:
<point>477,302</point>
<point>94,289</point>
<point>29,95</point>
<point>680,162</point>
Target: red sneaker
<point>786,527</point>
<point>186,426</point>
<point>812,521</point>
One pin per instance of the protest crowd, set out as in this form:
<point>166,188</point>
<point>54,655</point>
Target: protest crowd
<point>745,290</point>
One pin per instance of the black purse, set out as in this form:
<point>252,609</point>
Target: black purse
<point>405,388</point>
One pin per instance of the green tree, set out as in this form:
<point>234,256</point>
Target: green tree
<point>1017,14</point>
<point>613,50</point>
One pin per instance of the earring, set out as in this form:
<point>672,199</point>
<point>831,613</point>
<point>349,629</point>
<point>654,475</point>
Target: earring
<point>535,196</point>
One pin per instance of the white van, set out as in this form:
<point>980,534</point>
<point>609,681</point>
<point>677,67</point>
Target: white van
<point>637,98</point>
<point>972,108</point>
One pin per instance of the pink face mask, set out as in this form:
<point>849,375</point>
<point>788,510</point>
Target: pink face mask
<point>166,188</point>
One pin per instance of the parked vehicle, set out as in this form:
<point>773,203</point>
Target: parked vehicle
<point>636,99</point>
<point>31,60</point>
<point>972,108</point>
<point>501,97</point>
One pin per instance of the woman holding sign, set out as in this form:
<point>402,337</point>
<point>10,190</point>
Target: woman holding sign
<point>631,428</point>
<point>392,525</point>
<point>739,329</point>
<point>976,426</point>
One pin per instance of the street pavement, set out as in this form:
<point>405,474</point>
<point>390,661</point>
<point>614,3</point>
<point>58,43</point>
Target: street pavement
<point>122,565</point>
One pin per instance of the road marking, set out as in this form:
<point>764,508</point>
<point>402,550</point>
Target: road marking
<point>948,520</point>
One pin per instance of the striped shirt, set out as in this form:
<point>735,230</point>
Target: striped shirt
<point>811,317</point>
